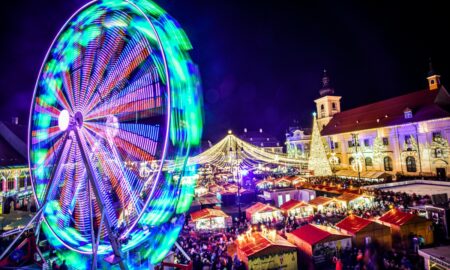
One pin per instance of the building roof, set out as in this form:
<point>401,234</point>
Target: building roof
<point>397,217</point>
<point>293,204</point>
<point>353,224</point>
<point>260,139</point>
<point>257,242</point>
<point>207,213</point>
<point>260,207</point>
<point>320,200</point>
<point>13,148</point>
<point>425,105</point>
<point>313,234</point>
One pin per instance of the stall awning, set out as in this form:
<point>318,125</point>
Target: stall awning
<point>259,208</point>
<point>320,201</point>
<point>348,197</point>
<point>207,213</point>
<point>353,224</point>
<point>397,217</point>
<point>292,204</point>
<point>313,234</point>
<point>256,242</point>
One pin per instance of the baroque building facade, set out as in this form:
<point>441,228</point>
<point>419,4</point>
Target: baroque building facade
<point>405,135</point>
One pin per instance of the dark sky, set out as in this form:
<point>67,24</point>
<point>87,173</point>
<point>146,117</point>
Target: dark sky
<point>261,61</point>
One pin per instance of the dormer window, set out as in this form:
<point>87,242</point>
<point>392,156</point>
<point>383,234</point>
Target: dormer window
<point>408,113</point>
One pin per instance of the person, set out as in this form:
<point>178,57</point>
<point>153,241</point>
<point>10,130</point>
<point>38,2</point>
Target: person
<point>54,265</point>
<point>63,266</point>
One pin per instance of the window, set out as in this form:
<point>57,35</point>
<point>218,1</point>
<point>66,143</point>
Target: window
<point>437,135</point>
<point>411,164</point>
<point>350,144</point>
<point>408,114</point>
<point>350,161</point>
<point>280,199</point>
<point>21,182</point>
<point>1,184</point>
<point>388,164</point>
<point>369,161</point>
<point>331,145</point>
<point>407,139</point>
<point>322,107</point>
<point>432,81</point>
<point>438,153</point>
<point>333,105</point>
<point>11,184</point>
<point>366,142</point>
<point>385,141</point>
<point>336,145</point>
<point>288,197</point>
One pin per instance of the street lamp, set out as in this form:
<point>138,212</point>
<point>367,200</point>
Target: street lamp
<point>357,157</point>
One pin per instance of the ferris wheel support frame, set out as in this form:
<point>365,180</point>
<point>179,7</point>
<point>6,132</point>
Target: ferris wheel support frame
<point>94,184</point>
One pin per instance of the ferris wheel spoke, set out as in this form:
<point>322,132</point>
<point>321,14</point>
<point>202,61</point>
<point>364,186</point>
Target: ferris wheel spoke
<point>112,42</point>
<point>145,88</point>
<point>133,54</point>
<point>112,165</point>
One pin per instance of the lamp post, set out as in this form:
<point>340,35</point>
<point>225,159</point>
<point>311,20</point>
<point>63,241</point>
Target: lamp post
<point>237,174</point>
<point>355,143</point>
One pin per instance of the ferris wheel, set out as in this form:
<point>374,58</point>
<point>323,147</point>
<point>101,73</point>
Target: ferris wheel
<point>116,96</point>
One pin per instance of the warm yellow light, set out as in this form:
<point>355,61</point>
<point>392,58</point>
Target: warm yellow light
<point>229,131</point>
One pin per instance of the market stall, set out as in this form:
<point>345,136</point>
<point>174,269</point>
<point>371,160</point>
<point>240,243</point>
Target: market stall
<point>297,209</point>
<point>404,225</point>
<point>354,201</point>
<point>210,219</point>
<point>320,202</point>
<point>318,244</point>
<point>364,231</point>
<point>264,184</point>
<point>260,212</point>
<point>266,250</point>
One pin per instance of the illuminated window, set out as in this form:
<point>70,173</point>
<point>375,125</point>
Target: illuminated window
<point>411,164</point>
<point>437,135</point>
<point>388,164</point>
<point>369,161</point>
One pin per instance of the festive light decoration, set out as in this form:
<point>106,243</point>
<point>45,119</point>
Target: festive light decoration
<point>251,157</point>
<point>117,91</point>
<point>318,162</point>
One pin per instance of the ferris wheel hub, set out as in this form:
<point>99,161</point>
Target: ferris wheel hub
<point>63,120</point>
<point>78,119</point>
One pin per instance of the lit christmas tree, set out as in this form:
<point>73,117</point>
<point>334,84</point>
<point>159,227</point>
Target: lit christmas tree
<point>318,161</point>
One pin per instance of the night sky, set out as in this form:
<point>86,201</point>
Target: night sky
<point>261,61</point>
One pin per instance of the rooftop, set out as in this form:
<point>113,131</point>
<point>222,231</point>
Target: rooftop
<point>425,105</point>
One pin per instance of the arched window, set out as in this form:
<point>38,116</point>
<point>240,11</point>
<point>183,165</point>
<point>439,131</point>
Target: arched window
<point>333,105</point>
<point>369,161</point>
<point>388,164</point>
<point>350,160</point>
<point>322,107</point>
<point>411,164</point>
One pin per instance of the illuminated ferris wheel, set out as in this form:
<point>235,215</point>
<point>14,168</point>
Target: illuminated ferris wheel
<point>116,96</point>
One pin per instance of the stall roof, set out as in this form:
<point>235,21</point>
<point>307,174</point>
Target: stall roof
<point>348,197</point>
<point>260,207</point>
<point>397,217</point>
<point>207,213</point>
<point>258,242</point>
<point>313,234</point>
<point>292,204</point>
<point>353,224</point>
<point>363,174</point>
<point>320,200</point>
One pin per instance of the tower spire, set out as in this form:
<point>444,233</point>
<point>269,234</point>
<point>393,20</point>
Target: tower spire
<point>326,89</point>
<point>434,80</point>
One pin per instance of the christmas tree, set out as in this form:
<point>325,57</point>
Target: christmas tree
<point>318,162</point>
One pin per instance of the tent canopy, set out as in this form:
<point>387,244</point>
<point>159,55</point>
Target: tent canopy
<point>353,224</point>
<point>313,234</point>
<point>292,204</point>
<point>257,242</point>
<point>260,208</point>
<point>398,218</point>
<point>207,213</point>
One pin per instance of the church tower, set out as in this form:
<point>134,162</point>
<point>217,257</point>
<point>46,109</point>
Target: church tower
<point>328,104</point>
<point>434,80</point>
